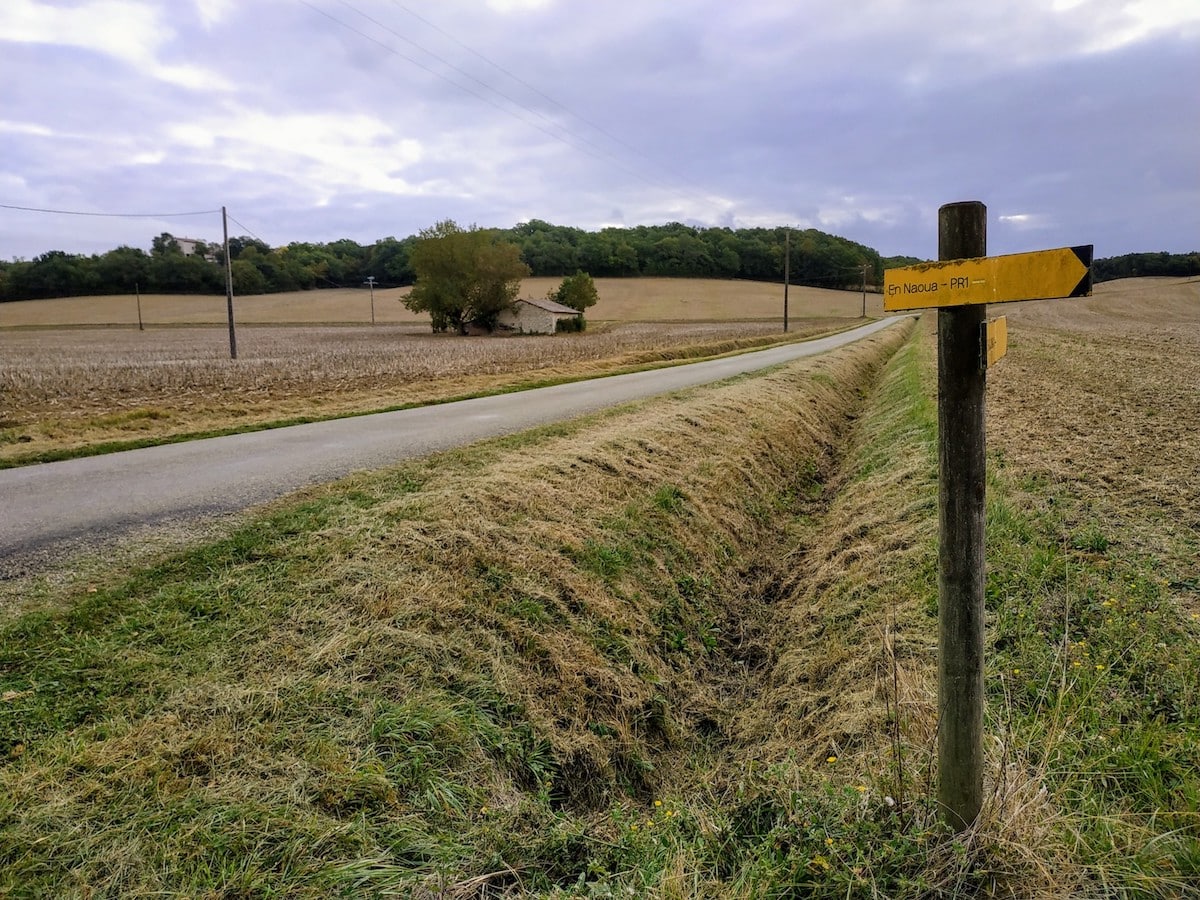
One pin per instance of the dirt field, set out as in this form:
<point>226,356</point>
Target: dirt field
<point>621,300</point>
<point>1101,397</point>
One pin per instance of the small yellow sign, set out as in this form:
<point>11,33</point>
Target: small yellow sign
<point>995,340</point>
<point>1042,275</point>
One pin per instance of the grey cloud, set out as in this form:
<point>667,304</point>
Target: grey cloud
<point>868,118</point>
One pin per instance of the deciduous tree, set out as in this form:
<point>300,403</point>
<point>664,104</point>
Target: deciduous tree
<point>464,276</point>
<point>577,291</point>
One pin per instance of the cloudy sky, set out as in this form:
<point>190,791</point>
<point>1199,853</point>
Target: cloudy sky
<point>1075,121</point>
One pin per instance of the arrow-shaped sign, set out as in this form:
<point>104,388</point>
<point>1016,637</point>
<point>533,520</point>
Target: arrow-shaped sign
<point>1042,275</point>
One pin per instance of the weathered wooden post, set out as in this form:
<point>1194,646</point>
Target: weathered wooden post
<point>960,285</point>
<point>962,381</point>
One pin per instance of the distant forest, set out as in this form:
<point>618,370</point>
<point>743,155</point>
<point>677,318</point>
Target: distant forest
<point>673,250</point>
<point>1133,265</point>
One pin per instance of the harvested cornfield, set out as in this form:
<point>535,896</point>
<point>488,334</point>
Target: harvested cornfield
<point>66,389</point>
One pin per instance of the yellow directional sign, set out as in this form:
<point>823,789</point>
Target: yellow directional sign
<point>1042,275</point>
<point>995,340</point>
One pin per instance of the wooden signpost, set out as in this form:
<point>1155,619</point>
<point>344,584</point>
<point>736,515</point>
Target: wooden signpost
<point>960,286</point>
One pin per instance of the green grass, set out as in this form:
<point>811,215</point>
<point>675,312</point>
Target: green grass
<point>1092,680</point>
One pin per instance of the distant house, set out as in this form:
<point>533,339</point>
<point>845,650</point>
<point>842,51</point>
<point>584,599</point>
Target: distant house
<point>535,316</point>
<point>188,245</point>
<point>191,247</point>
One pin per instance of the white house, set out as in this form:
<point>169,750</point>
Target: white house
<point>535,316</point>
<point>188,245</point>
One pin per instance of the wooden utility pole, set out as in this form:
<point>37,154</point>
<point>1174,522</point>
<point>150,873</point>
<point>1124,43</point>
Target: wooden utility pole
<point>229,286</point>
<point>864,291</point>
<point>787,273</point>
<point>137,293</point>
<point>371,281</point>
<point>962,234</point>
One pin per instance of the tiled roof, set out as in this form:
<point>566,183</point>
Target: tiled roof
<point>550,306</point>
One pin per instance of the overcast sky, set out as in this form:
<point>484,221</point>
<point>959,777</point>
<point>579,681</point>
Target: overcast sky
<point>1075,121</point>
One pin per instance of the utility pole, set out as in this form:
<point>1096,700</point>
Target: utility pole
<point>137,293</point>
<point>787,274</point>
<point>371,281</point>
<point>864,291</point>
<point>229,286</point>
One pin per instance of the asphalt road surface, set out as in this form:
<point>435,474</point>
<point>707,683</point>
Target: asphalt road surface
<point>55,508</point>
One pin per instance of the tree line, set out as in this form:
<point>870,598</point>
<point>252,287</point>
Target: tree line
<point>1134,265</point>
<point>672,250</point>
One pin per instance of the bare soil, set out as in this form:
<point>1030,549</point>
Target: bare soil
<point>1102,398</point>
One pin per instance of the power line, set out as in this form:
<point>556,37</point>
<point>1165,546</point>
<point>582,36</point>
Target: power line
<point>521,81</point>
<point>245,228</point>
<point>448,64</point>
<point>436,74</point>
<point>495,65</point>
<point>602,156</point>
<point>488,87</point>
<point>107,215</point>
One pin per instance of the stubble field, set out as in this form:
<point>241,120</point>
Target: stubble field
<point>1101,398</point>
<point>68,382</point>
<point>621,300</point>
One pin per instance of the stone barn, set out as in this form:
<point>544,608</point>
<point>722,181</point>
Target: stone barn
<point>535,316</point>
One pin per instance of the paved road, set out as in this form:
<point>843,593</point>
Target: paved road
<point>57,506</point>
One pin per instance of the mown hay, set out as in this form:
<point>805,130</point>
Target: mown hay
<point>598,580</point>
